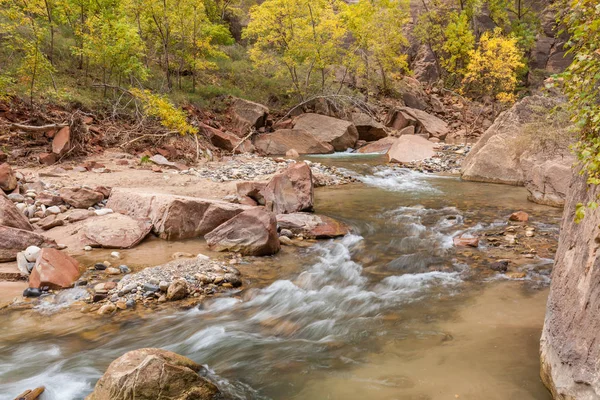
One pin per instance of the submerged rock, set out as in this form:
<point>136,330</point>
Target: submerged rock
<point>151,374</point>
<point>312,225</point>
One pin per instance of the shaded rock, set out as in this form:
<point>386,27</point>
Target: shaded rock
<point>508,153</point>
<point>115,231</point>
<point>13,240</point>
<point>80,197</point>
<point>11,216</point>
<point>150,374</point>
<point>398,120</point>
<point>291,190</point>
<point>569,345</point>
<point>368,129</point>
<point>408,148</point>
<point>427,123</point>
<point>499,266</point>
<point>174,217</point>
<point>341,134</point>
<point>381,146</point>
<point>49,199</point>
<point>47,158</point>
<point>54,269</point>
<point>223,140</point>
<point>51,221</point>
<point>312,225</point>
<point>8,179</point>
<point>62,141</point>
<point>282,140</point>
<point>253,232</point>
<point>252,190</point>
<point>248,114</point>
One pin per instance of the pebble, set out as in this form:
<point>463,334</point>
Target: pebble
<point>87,248</point>
<point>53,210</point>
<point>100,266</point>
<point>130,303</point>
<point>287,233</point>
<point>16,198</point>
<point>124,269</point>
<point>32,292</point>
<point>285,241</point>
<point>115,254</point>
<point>113,271</point>
<point>203,257</point>
<point>106,309</point>
<point>103,211</point>
<point>148,287</point>
<point>163,286</point>
<point>128,288</point>
<point>32,253</point>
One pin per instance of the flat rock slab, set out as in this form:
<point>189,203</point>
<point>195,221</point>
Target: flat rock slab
<point>312,225</point>
<point>116,231</point>
<point>174,217</point>
<point>381,146</point>
<point>409,148</point>
<point>282,140</point>
<point>339,133</point>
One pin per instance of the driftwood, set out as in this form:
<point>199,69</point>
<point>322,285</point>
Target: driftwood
<point>31,394</point>
<point>41,128</point>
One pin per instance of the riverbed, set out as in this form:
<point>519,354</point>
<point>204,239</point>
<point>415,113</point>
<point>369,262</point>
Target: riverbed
<point>392,311</point>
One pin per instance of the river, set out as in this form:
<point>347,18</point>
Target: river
<point>392,311</point>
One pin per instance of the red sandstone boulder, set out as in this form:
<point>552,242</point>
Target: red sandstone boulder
<point>61,141</point>
<point>253,190</point>
<point>290,191</point>
<point>283,140</point>
<point>151,374</point>
<point>339,133</point>
<point>408,148</point>
<point>13,240</point>
<point>49,199</point>
<point>312,225</point>
<point>368,129</point>
<point>80,197</point>
<point>381,146</point>
<point>54,269</point>
<point>11,216</point>
<point>248,114</point>
<point>8,179</point>
<point>252,233</point>
<point>115,231</point>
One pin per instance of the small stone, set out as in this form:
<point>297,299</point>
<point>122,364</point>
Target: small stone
<point>286,241</point>
<point>181,254</point>
<point>32,253</point>
<point>499,266</point>
<point>113,271</point>
<point>105,286</point>
<point>121,305</point>
<point>178,290</point>
<point>16,198</point>
<point>87,248</point>
<point>53,210</point>
<point>103,211</point>
<point>162,299</point>
<point>61,246</point>
<point>163,286</point>
<point>98,297</point>
<point>529,233</point>
<point>516,275</point>
<point>287,233</point>
<point>115,254</point>
<point>100,266</point>
<point>32,292</point>
<point>519,216</point>
<point>107,309</point>
<point>148,287</point>
<point>130,303</point>
<point>124,269</point>
<point>127,289</point>
<point>203,257</point>
<point>218,279</point>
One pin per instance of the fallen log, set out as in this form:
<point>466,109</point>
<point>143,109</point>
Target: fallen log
<point>34,128</point>
<point>31,394</point>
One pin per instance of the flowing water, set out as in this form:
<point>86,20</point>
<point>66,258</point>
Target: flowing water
<point>388,312</point>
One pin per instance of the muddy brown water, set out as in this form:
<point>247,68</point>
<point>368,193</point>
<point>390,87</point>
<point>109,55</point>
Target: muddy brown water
<point>390,312</point>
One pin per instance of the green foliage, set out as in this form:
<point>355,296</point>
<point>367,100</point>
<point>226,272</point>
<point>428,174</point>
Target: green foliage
<point>460,42</point>
<point>582,80</point>
<point>493,67</point>
<point>162,109</point>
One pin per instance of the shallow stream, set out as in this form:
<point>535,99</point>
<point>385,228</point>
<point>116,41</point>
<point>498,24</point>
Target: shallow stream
<point>392,311</point>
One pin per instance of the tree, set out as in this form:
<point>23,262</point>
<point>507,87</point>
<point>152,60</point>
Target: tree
<point>458,45</point>
<point>493,67</point>
<point>298,37</point>
<point>378,42</point>
<point>582,82</point>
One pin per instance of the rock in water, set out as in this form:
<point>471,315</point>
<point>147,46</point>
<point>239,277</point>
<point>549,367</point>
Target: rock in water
<point>290,191</point>
<point>311,225</point>
<point>519,216</point>
<point>152,374</point>
<point>409,148</point>
<point>178,289</point>
<point>381,146</point>
<point>54,269</point>
<point>570,349</point>
<point>253,233</point>
<point>337,132</point>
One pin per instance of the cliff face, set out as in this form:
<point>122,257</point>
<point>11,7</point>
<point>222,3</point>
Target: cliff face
<point>570,343</point>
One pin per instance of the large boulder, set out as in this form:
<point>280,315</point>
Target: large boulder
<point>291,190</point>
<point>409,148</point>
<point>282,140</point>
<point>509,152</point>
<point>115,231</point>
<point>11,216</point>
<point>80,197</point>
<point>570,349</point>
<point>252,233</point>
<point>225,140</point>
<point>13,241</point>
<point>8,179</point>
<point>151,374</point>
<point>55,269</point>
<point>247,115</point>
<point>368,129</point>
<point>381,146</point>
<point>427,123</point>
<point>174,217</point>
<point>337,132</point>
<point>312,225</point>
